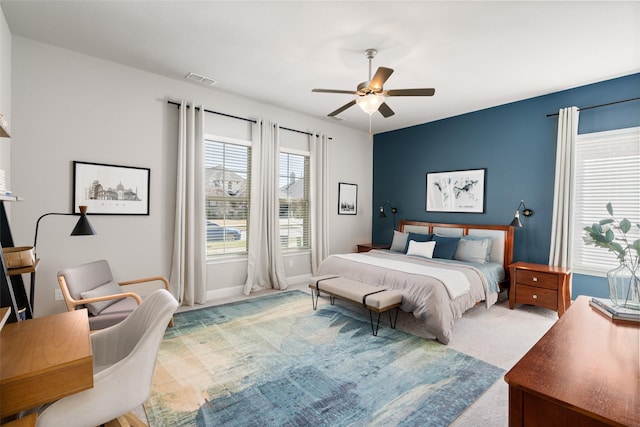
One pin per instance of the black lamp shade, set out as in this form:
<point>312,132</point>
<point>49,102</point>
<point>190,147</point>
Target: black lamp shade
<point>516,222</point>
<point>83,227</point>
<point>382,214</point>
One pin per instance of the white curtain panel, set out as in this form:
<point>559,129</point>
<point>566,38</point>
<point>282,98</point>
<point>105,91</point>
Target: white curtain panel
<point>188,269</point>
<point>560,253</point>
<point>319,145</point>
<point>265,269</point>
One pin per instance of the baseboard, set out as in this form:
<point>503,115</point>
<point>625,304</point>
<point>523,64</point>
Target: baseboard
<point>236,291</point>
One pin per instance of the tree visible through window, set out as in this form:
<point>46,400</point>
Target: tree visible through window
<point>227,190</point>
<point>294,200</point>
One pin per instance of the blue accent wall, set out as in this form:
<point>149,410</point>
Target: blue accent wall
<point>516,143</point>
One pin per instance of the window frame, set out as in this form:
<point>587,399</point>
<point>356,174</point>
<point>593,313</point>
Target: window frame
<point>580,264</point>
<point>226,257</point>
<point>307,154</point>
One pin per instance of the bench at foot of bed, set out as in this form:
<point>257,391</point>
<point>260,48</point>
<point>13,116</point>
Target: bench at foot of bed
<point>374,298</point>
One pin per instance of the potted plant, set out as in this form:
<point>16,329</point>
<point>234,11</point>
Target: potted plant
<point>624,280</point>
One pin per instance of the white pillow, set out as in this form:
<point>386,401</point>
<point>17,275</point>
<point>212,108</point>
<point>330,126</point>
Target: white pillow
<point>472,250</point>
<point>423,249</point>
<point>399,241</point>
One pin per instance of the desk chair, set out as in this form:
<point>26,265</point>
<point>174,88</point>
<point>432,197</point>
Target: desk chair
<point>124,358</point>
<point>92,285</point>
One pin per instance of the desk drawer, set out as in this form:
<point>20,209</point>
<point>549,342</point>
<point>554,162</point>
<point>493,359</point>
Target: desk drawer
<point>536,296</point>
<point>537,279</point>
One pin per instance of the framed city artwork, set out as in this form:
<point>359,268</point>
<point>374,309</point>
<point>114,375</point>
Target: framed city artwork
<point>347,198</point>
<point>111,189</point>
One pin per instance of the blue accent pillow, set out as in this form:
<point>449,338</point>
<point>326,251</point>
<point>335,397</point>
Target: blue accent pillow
<point>418,238</point>
<point>445,246</point>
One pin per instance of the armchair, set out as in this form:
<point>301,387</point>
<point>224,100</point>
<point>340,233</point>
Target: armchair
<point>124,358</point>
<point>92,285</point>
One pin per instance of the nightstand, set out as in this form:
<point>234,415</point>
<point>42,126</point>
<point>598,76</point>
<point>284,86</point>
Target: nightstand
<point>542,285</point>
<point>366,247</point>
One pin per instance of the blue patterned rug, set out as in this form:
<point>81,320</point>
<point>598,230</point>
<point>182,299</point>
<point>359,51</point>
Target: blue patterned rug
<point>274,361</point>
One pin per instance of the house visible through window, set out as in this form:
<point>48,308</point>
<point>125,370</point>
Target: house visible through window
<point>227,190</point>
<point>294,200</point>
<point>607,169</point>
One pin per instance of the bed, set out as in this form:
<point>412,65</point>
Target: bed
<point>441,269</point>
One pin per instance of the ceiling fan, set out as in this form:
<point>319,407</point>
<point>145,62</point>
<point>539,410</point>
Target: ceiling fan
<point>371,94</point>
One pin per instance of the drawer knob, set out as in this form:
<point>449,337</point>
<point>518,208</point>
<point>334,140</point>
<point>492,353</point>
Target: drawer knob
<point>535,279</point>
<point>535,296</point>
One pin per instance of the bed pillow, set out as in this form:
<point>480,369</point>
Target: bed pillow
<point>489,241</point>
<point>471,250</point>
<point>399,241</point>
<point>445,246</point>
<point>417,237</point>
<point>423,249</point>
<point>109,288</point>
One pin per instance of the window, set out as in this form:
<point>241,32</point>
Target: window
<point>227,189</point>
<point>607,169</point>
<point>294,200</point>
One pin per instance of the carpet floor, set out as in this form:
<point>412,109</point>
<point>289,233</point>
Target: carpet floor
<point>275,361</point>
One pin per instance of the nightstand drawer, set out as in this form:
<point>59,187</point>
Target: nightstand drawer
<point>536,296</point>
<point>537,278</point>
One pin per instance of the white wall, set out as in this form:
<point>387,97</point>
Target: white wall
<point>68,106</point>
<point>5,94</point>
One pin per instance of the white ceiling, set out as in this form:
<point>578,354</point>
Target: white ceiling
<point>476,54</point>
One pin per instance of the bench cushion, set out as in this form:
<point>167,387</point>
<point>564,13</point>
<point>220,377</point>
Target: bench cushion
<point>355,291</point>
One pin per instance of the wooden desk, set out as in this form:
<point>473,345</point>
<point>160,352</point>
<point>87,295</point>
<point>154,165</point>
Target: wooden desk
<point>44,359</point>
<point>584,371</point>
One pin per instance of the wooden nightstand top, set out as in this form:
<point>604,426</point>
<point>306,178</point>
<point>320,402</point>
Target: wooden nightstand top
<point>540,267</point>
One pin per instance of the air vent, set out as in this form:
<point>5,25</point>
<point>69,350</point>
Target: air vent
<point>200,79</point>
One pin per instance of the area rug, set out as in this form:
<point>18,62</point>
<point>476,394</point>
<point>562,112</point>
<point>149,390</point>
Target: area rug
<point>274,361</point>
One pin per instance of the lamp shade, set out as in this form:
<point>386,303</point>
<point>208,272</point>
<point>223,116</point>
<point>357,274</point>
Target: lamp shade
<point>370,103</point>
<point>382,214</point>
<point>516,220</point>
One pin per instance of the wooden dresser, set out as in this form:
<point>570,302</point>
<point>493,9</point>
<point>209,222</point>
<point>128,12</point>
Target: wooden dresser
<point>540,285</point>
<point>585,371</point>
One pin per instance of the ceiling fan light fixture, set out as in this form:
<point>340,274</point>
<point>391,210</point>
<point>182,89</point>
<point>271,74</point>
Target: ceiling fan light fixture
<point>370,103</point>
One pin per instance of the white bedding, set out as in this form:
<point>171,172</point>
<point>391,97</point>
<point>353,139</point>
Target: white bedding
<point>424,296</point>
<point>454,281</point>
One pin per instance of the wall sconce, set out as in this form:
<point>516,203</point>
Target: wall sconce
<point>525,211</point>
<point>83,226</point>
<point>394,211</point>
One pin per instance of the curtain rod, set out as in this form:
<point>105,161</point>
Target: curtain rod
<point>245,119</point>
<point>601,105</point>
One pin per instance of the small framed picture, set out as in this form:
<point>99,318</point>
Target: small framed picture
<point>111,189</point>
<point>456,191</point>
<point>347,199</point>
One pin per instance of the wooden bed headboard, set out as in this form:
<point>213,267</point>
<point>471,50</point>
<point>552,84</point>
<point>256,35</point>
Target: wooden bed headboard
<point>501,250</point>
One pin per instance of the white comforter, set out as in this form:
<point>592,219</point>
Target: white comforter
<point>425,296</point>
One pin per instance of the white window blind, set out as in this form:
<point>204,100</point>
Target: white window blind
<point>607,169</point>
<point>294,200</point>
<point>227,189</point>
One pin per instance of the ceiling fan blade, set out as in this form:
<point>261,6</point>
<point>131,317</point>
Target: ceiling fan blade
<point>350,92</point>
<point>410,92</point>
<point>385,110</point>
<point>381,76</point>
<point>341,109</point>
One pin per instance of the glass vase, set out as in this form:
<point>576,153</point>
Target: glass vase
<point>623,287</point>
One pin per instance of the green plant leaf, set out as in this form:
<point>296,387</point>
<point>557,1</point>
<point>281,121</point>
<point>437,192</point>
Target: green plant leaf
<point>625,225</point>
<point>599,238</point>
<point>617,248</point>
<point>610,236</point>
<point>606,221</point>
<point>596,228</point>
<point>636,245</point>
<point>610,208</point>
